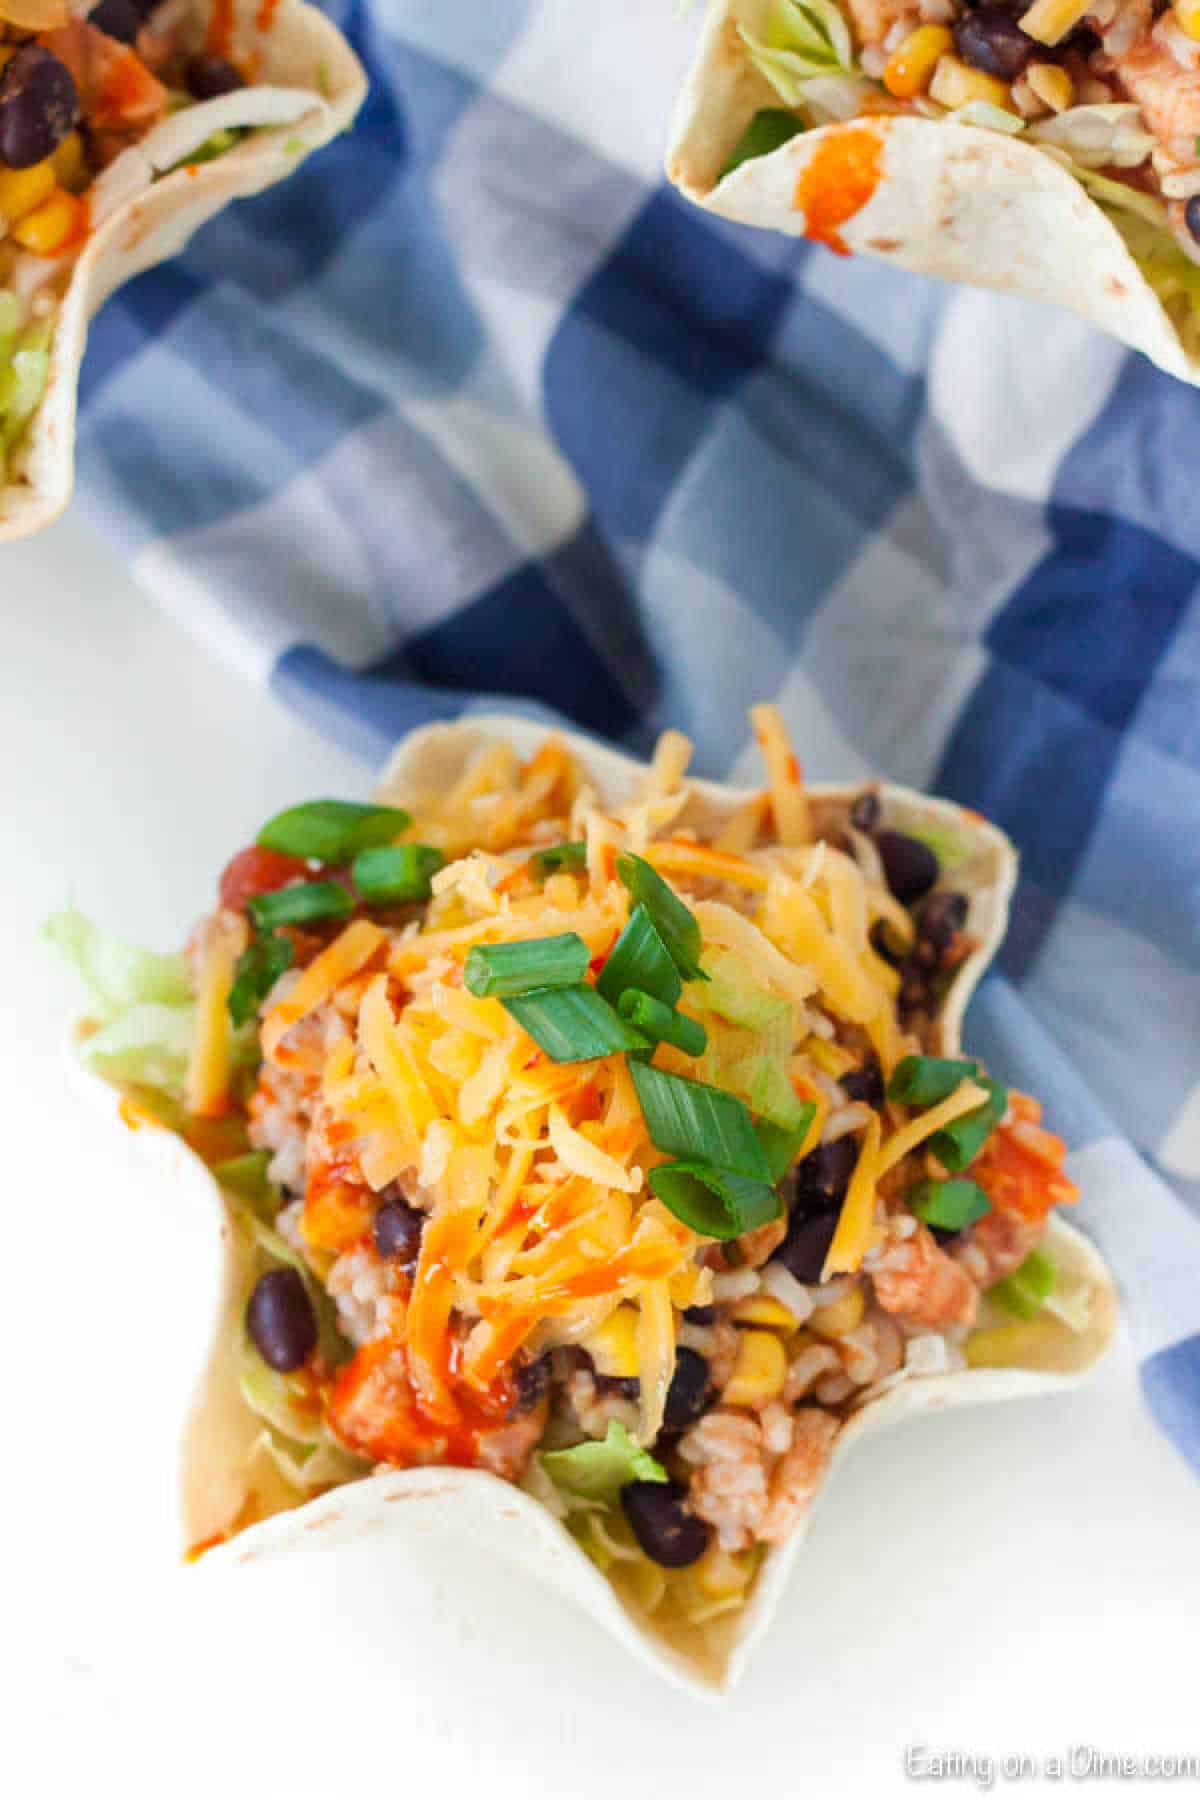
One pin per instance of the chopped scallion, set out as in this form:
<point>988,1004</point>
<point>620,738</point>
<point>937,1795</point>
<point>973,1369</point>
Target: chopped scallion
<point>573,1024</point>
<point>781,1145</point>
<point>560,856</point>
<point>302,904</point>
<point>699,1123</point>
<point>662,1023</point>
<point>950,1205</point>
<point>715,1203</point>
<point>958,1144</point>
<point>499,971</point>
<point>640,959</point>
<point>925,1080</point>
<point>392,874</point>
<point>1026,1290</point>
<point>677,924</point>
<point>332,831</point>
<point>257,970</point>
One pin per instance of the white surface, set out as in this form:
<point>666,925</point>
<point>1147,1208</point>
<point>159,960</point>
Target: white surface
<point>1019,1579</point>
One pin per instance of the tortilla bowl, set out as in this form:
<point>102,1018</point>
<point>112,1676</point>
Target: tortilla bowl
<point>458,1503</point>
<point>946,199</point>
<point>309,87</point>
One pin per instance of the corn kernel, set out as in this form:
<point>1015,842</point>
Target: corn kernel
<point>21,190</point>
<point>70,164</point>
<point>1052,85</point>
<point>642,1581</point>
<point>51,226</point>
<point>759,1372</point>
<point>1049,21</point>
<point>613,1345</point>
<point>910,67</point>
<point>562,892</point>
<point>830,1057</point>
<point>956,84</point>
<point>840,1316</point>
<point>1187,17</point>
<point>764,1309</point>
<point>719,1574</point>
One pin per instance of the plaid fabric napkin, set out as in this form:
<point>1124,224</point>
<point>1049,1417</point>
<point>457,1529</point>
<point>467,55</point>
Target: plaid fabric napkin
<point>474,405</point>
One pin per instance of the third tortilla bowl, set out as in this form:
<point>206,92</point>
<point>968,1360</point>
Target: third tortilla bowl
<point>1050,149</point>
<point>597,1162</point>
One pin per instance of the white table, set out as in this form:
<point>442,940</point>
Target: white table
<point>1021,1579</point>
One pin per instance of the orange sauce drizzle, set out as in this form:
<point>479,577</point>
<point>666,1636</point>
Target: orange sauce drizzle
<point>837,182</point>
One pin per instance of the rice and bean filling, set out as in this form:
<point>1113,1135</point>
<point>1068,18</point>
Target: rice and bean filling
<point>1110,86</point>
<point>75,92</point>
<point>673,1465</point>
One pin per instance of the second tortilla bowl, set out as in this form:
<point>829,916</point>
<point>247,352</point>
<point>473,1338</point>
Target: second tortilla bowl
<point>578,1270</point>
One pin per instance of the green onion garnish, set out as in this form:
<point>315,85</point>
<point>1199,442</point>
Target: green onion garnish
<point>332,831</point>
<point>950,1205</point>
<point>301,905</point>
<point>677,924</point>
<point>394,873</point>
<point>662,1023</point>
<point>770,128</point>
<point>699,1123</point>
<point>1024,1292</point>
<point>500,971</point>
<point>255,973</point>
<point>780,1144</point>
<point>924,1080</point>
<point>573,1024</point>
<point>958,1144</point>
<point>560,856</point>
<point>640,959</point>
<point>714,1202</point>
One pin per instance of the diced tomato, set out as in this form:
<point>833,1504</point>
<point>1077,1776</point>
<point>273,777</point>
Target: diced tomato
<point>1024,1179</point>
<point>257,871</point>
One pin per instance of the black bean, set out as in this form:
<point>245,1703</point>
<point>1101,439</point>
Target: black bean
<point>701,1315</point>
<point>910,866</point>
<point>865,1084</point>
<point>882,944</point>
<point>670,1536</point>
<point>120,19</point>
<point>942,917</point>
<point>398,1228</point>
<point>38,106</point>
<point>1191,216</point>
<point>804,1249</point>
<point>990,38</point>
<point>208,77</point>
<point>532,1381</point>
<point>281,1320</point>
<point>688,1390</point>
<point>866,813</point>
<point>821,1180</point>
<point>916,988</point>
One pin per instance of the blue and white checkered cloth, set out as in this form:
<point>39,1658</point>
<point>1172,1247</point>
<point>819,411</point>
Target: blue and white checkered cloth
<point>476,405</point>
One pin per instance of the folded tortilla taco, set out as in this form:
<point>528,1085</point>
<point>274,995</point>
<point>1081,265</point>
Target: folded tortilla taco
<point>120,134</point>
<point>596,1162</point>
<point>1051,149</point>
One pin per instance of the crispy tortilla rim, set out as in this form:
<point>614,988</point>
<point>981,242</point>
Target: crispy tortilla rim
<point>404,1508</point>
<point>950,200</point>
<point>309,86</point>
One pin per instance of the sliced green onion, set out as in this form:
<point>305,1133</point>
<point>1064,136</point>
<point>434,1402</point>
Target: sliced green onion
<point>714,1202</point>
<point>950,1205</point>
<point>773,1097</point>
<point>499,971</point>
<point>1026,1290</point>
<point>780,1145</point>
<point>394,873</point>
<point>958,1144</point>
<point>677,924</point>
<point>560,856</point>
<point>768,130</point>
<point>573,1024</point>
<point>662,1023</point>
<point>301,905</point>
<point>332,831</point>
<point>699,1123</point>
<point>924,1080</point>
<point>255,973</point>
<point>640,959</point>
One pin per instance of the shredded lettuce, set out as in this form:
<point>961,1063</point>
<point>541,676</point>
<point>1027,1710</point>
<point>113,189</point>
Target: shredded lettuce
<point>1097,137</point>
<point>732,991</point>
<point>598,1471</point>
<point>802,39</point>
<point>148,1045</point>
<point>989,117</point>
<point>296,1438</point>
<point>117,975</point>
<point>948,848</point>
<point>24,371</point>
